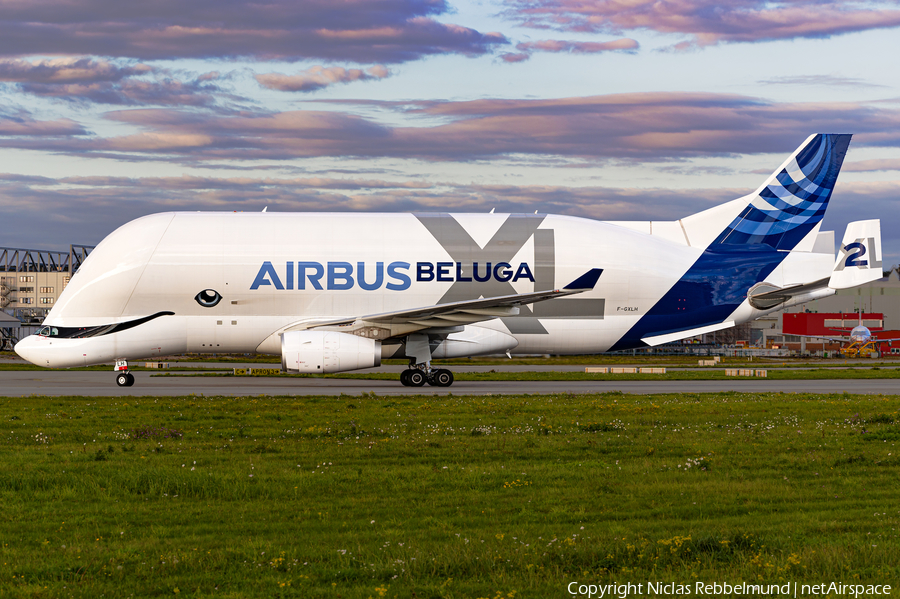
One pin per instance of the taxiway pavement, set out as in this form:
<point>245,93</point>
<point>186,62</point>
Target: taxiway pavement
<point>19,383</point>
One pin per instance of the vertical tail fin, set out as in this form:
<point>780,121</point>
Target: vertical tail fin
<point>859,259</point>
<point>793,199</point>
<point>745,240</point>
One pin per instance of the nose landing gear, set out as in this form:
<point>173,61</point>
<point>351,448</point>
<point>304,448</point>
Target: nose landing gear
<point>123,377</point>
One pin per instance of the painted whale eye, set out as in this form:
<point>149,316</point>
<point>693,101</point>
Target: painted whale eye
<point>208,298</point>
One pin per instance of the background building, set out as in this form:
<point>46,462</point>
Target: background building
<point>31,282</point>
<point>879,301</point>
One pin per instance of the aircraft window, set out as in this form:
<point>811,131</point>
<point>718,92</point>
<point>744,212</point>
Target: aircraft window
<point>97,331</point>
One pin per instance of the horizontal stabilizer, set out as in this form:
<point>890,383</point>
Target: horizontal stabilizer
<point>764,296</point>
<point>858,262</point>
<point>859,259</point>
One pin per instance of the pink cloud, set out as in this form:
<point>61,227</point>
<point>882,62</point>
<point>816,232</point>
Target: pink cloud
<point>237,184</point>
<point>512,57</point>
<point>165,92</point>
<point>577,47</point>
<point>318,77</point>
<point>84,79</point>
<point>386,31</point>
<point>708,22</point>
<point>872,166</point>
<point>66,70</point>
<point>638,127</point>
<point>645,126</point>
<point>21,124</point>
<point>307,193</point>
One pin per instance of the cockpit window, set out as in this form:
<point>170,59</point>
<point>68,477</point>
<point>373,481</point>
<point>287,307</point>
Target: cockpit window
<point>97,331</point>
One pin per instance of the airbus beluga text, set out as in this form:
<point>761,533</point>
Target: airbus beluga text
<point>338,292</point>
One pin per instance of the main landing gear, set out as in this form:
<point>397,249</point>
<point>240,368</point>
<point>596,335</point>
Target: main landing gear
<point>123,377</point>
<point>418,350</point>
<point>416,376</point>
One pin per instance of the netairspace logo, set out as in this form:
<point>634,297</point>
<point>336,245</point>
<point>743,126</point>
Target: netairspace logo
<point>341,276</point>
<point>718,589</point>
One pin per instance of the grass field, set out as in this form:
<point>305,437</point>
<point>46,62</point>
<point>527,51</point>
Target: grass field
<point>494,497</point>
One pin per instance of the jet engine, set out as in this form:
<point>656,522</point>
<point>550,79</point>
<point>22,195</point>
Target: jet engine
<point>327,351</point>
<point>474,341</point>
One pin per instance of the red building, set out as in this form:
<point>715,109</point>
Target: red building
<point>834,324</point>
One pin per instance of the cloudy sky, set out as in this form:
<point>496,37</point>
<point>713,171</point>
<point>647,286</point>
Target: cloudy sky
<point>611,109</point>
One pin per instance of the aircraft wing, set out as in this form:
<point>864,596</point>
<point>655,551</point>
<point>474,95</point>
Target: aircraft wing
<point>824,338</point>
<point>462,313</point>
<point>875,340</point>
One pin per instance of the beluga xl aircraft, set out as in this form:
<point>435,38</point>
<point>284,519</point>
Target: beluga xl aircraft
<point>339,292</point>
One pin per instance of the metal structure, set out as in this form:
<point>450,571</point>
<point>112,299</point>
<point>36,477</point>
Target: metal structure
<point>8,339</point>
<point>10,331</point>
<point>31,280</point>
<point>24,260</point>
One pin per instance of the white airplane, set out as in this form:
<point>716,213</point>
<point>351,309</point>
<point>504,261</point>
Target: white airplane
<point>339,292</point>
<point>859,342</point>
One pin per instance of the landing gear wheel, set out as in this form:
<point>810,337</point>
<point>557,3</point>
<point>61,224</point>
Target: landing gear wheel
<point>404,377</point>
<point>442,378</point>
<point>415,378</point>
<point>130,380</point>
<point>122,379</point>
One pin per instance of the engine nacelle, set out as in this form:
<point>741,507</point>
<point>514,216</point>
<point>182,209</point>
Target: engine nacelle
<point>327,351</point>
<point>474,341</point>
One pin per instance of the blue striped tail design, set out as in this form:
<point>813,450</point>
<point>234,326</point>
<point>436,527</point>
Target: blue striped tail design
<point>778,217</point>
<point>788,208</point>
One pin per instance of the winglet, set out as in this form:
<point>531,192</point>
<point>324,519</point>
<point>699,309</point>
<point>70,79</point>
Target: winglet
<point>585,281</point>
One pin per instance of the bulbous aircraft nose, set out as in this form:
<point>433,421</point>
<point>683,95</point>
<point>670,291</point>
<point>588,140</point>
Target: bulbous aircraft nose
<point>27,349</point>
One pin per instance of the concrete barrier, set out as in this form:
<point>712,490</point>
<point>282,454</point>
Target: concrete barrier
<point>653,370</point>
<point>156,364</point>
<point>746,372</point>
<point>597,369</point>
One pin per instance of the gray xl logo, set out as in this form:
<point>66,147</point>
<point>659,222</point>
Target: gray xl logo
<point>509,239</point>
